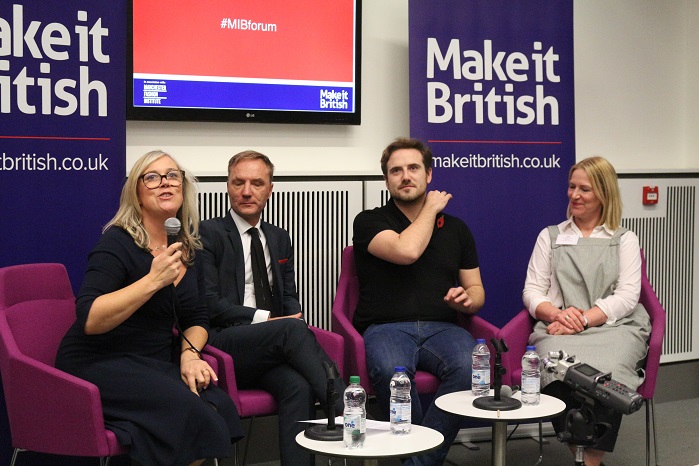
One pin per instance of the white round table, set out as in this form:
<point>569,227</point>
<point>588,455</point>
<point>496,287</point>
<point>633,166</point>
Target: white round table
<point>461,403</point>
<point>378,444</point>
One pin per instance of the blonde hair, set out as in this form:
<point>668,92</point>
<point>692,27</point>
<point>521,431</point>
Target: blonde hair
<point>605,185</point>
<point>130,216</point>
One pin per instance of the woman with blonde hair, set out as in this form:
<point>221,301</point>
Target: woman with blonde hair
<point>156,390</point>
<point>583,284</point>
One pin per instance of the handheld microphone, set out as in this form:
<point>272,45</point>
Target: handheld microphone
<point>172,227</point>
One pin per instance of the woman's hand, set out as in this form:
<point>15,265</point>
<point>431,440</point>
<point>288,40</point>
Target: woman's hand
<point>556,328</point>
<point>572,319</point>
<point>165,267</point>
<point>195,372</point>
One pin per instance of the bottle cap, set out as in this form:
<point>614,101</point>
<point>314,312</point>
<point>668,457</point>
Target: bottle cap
<point>400,369</point>
<point>354,379</point>
<point>531,348</point>
<point>481,341</point>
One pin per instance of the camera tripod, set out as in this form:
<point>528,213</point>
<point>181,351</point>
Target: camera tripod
<point>582,429</point>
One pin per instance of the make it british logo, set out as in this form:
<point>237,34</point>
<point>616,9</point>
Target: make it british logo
<point>334,99</point>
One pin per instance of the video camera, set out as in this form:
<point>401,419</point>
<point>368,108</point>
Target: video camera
<point>592,383</point>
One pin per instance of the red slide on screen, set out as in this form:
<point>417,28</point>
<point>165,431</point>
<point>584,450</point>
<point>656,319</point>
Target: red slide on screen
<point>271,39</point>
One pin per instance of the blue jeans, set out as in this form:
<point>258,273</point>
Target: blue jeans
<point>441,348</point>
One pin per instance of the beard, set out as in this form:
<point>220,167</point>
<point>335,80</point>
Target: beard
<point>408,197</point>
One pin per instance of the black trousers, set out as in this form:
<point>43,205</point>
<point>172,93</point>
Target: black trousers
<point>284,358</point>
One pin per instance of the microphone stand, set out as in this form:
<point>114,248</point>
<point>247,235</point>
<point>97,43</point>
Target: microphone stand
<point>497,403</point>
<point>329,432</point>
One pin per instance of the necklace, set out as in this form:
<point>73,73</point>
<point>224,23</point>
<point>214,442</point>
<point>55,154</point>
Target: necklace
<point>157,248</point>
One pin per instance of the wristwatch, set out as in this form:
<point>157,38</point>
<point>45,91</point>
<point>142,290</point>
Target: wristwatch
<point>586,322</point>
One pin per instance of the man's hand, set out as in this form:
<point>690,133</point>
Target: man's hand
<point>436,201</point>
<point>459,300</point>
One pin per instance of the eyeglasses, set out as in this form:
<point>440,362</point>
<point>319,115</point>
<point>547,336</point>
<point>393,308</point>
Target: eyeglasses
<point>153,180</point>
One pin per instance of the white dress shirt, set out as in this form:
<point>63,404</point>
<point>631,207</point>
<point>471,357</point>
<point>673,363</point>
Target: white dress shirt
<point>541,284</point>
<point>261,315</point>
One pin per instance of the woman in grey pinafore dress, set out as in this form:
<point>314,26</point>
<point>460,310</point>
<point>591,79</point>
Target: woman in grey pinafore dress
<point>582,286</point>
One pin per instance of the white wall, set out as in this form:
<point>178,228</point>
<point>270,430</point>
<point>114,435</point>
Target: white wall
<point>637,101</point>
<point>630,82</point>
<point>691,86</point>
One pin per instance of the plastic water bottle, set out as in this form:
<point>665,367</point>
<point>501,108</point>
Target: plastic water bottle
<point>354,414</point>
<point>400,402</point>
<point>531,377</point>
<point>480,374</point>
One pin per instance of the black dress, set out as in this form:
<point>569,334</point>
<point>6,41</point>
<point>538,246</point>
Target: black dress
<point>136,365</point>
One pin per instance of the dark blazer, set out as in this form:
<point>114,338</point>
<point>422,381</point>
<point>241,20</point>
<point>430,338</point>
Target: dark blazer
<point>224,267</point>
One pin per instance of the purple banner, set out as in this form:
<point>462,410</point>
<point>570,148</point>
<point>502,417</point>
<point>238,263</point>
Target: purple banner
<point>62,127</point>
<point>491,91</point>
<point>62,139</point>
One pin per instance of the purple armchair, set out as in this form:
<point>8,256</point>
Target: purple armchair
<point>355,357</point>
<point>516,334</point>
<point>49,410</point>
<point>656,313</point>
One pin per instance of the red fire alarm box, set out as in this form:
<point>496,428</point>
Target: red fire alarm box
<point>650,195</point>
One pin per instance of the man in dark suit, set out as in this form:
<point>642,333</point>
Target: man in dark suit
<point>255,314</point>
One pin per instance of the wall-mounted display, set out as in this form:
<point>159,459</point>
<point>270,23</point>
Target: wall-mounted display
<point>235,60</point>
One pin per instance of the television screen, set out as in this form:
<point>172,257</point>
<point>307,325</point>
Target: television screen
<point>273,61</point>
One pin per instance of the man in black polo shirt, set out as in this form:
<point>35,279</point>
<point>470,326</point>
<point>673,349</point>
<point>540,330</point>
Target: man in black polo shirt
<point>417,267</point>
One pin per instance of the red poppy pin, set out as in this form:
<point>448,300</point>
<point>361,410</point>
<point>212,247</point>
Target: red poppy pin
<point>440,221</point>
<point>283,261</point>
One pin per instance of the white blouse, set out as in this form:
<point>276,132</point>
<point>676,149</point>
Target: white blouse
<point>541,284</point>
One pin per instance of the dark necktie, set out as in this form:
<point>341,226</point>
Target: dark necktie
<point>263,292</point>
